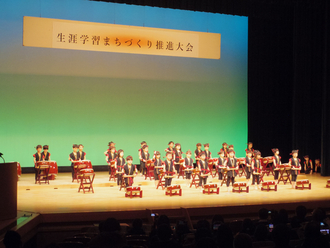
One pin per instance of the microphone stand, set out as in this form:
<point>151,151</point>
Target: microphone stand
<point>2,158</point>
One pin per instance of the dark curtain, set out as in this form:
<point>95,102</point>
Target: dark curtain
<point>309,51</point>
<point>270,78</point>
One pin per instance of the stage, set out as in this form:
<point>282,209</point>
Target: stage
<point>61,196</point>
<point>58,207</point>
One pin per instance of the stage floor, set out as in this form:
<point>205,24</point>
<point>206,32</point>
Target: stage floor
<point>61,195</point>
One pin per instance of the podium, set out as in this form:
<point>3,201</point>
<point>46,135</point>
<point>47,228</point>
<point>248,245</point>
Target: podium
<point>8,182</point>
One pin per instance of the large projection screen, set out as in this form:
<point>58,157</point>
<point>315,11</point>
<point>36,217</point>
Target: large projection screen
<point>61,97</point>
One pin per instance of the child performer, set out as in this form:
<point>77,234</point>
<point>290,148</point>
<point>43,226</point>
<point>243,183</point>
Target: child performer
<point>157,164</point>
<point>177,156</point>
<point>207,154</point>
<point>73,156</point>
<point>308,165</point>
<point>197,153</point>
<point>276,163</point>
<point>111,144</point>
<point>129,170</point>
<point>249,148</point>
<point>81,153</point>
<point>232,166</point>
<point>111,155</point>
<point>294,162</point>
<point>317,166</point>
<point>170,147</point>
<point>248,164</point>
<point>37,157</point>
<point>221,163</point>
<point>231,147</point>
<point>140,151</point>
<point>120,162</point>
<point>204,168</point>
<point>143,159</point>
<point>188,164</point>
<point>45,153</point>
<point>169,169</point>
<point>225,149</point>
<point>256,168</point>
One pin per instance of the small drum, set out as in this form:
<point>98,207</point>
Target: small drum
<point>174,190</point>
<point>131,188</point>
<point>241,184</point>
<point>211,188</point>
<point>133,192</point>
<point>181,161</point>
<point>305,181</point>
<point>174,187</point>
<point>240,187</point>
<point>149,162</point>
<point>268,183</point>
<point>112,163</point>
<point>210,185</point>
<point>268,186</point>
<point>213,160</point>
<point>328,183</point>
<point>285,167</point>
<point>303,184</point>
<point>267,160</point>
<point>241,160</point>
<point>86,171</point>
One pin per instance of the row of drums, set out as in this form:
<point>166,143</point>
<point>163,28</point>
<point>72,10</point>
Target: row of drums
<point>53,168</point>
<point>86,164</point>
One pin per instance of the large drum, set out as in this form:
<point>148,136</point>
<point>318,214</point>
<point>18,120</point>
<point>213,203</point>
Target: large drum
<point>53,170</point>
<point>83,164</point>
<point>51,165</point>
<point>42,165</point>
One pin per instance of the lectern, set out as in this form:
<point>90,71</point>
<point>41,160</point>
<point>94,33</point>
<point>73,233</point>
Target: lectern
<point>8,190</point>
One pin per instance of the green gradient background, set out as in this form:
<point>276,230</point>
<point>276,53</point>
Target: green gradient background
<point>60,97</point>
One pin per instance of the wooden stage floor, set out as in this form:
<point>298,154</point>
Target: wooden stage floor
<point>61,196</point>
